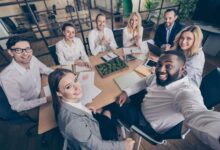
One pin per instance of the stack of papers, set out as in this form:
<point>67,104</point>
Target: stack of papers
<point>109,56</point>
<point>127,80</point>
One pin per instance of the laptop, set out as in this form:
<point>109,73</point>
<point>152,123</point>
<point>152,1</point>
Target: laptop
<point>154,49</point>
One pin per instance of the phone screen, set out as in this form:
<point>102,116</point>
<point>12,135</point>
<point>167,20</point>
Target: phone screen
<point>150,63</point>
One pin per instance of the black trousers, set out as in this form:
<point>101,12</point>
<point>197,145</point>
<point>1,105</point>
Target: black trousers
<point>107,126</point>
<point>130,113</point>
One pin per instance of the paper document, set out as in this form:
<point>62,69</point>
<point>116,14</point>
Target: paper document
<point>86,77</point>
<point>68,67</point>
<point>81,68</point>
<point>130,50</point>
<point>109,56</point>
<point>90,91</point>
<point>127,80</point>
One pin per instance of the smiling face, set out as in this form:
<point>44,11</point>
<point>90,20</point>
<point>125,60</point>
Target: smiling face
<point>134,21</point>
<point>169,69</point>
<point>186,40</point>
<point>100,23</point>
<point>69,88</point>
<point>69,33</point>
<point>169,18</point>
<point>23,58</point>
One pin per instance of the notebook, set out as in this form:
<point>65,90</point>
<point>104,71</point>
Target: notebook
<point>127,80</point>
<point>143,70</point>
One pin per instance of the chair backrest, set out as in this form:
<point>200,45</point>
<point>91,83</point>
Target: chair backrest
<point>88,51</point>
<point>210,88</point>
<point>10,24</point>
<point>52,49</point>
<point>118,34</point>
<point>6,113</point>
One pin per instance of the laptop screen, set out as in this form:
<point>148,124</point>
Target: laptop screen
<point>154,49</point>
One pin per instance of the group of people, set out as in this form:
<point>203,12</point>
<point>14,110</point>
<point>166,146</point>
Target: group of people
<point>156,103</point>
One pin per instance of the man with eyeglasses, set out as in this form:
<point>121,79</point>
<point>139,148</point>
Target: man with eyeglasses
<point>21,80</point>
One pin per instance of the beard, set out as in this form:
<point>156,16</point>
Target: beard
<point>169,79</point>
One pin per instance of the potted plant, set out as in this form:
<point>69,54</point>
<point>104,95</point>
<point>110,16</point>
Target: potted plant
<point>187,8</point>
<point>150,5</point>
<point>117,14</point>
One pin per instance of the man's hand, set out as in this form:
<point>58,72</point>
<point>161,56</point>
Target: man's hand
<point>49,99</point>
<point>166,47</point>
<point>105,41</point>
<point>129,144</point>
<point>121,99</point>
<point>79,62</point>
<point>88,65</point>
<point>90,107</point>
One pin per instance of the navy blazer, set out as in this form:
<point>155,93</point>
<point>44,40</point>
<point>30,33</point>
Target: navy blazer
<point>160,35</point>
<point>79,126</point>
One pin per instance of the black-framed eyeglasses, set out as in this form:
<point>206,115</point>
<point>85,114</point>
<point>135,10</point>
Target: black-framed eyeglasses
<point>20,50</point>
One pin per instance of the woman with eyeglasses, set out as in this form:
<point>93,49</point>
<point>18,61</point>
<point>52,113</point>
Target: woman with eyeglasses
<point>189,41</point>
<point>133,33</point>
<point>77,123</point>
<point>70,49</point>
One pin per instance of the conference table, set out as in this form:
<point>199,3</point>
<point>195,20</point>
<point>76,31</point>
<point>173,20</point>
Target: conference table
<point>110,91</point>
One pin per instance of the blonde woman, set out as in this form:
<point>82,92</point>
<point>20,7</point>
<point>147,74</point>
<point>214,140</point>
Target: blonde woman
<point>133,33</point>
<point>189,41</point>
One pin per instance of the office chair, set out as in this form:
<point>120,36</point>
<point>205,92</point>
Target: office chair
<point>174,133</point>
<point>210,88</point>
<point>12,27</point>
<point>88,51</point>
<point>52,50</point>
<point>118,34</point>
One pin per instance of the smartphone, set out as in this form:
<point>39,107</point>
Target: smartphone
<point>129,57</point>
<point>150,63</point>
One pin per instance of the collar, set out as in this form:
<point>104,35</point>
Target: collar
<point>177,83</point>
<point>170,28</point>
<point>19,68</point>
<point>65,44</point>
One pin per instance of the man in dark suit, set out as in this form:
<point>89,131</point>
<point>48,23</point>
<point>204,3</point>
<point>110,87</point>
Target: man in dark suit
<point>166,32</point>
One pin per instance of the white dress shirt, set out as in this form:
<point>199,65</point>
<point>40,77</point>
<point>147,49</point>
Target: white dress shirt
<point>94,41</point>
<point>194,67</point>
<point>69,54</point>
<point>79,105</point>
<point>164,107</point>
<point>127,36</point>
<point>22,86</point>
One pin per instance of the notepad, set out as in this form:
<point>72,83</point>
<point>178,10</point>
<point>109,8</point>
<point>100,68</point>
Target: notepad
<point>143,70</point>
<point>109,56</point>
<point>130,50</point>
<point>127,80</point>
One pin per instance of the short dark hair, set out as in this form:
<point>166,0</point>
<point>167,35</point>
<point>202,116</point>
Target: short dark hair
<point>100,14</point>
<point>171,9</point>
<point>67,24</point>
<point>178,53</point>
<point>15,39</point>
